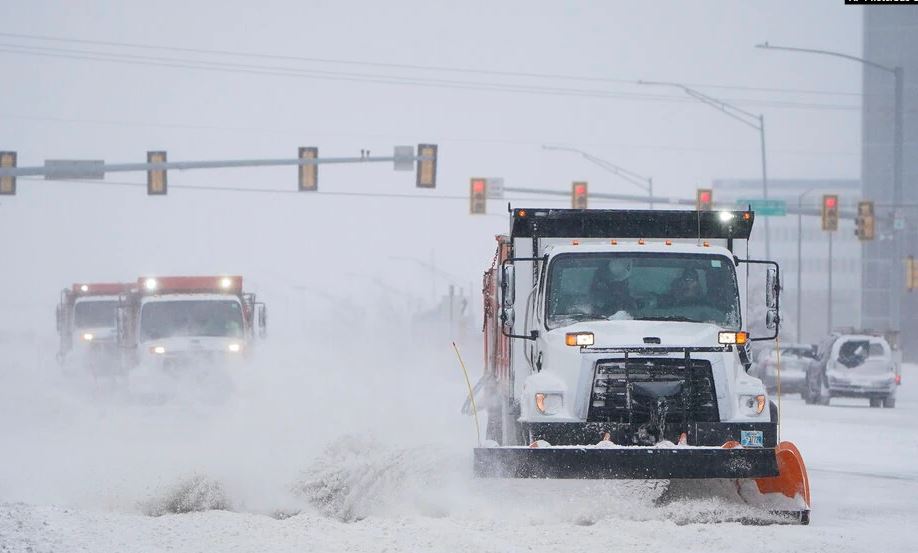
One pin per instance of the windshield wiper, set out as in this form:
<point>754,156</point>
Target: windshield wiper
<point>667,318</point>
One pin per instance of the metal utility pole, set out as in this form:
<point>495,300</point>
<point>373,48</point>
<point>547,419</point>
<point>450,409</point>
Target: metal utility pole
<point>645,183</point>
<point>897,284</point>
<point>829,320</point>
<point>757,122</point>
<point>800,264</point>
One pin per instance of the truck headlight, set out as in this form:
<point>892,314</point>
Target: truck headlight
<point>738,338</point>
<point>159,350</point>
<point>235,348</point>
<point>579,338</point>
<point>752,405</point>
<point>549,404</point>
<point>87,337</point>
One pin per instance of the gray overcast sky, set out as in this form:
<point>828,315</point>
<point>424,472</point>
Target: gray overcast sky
<point>62,107</point>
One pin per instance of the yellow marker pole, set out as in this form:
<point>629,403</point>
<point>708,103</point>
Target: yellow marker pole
<point>471,395</point>
<point>778,374</point>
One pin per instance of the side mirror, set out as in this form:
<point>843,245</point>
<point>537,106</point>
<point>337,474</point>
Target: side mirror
<point>772,289</point>
<point>261,318</point>
<point>507,287</point>
<point>507,316</point>
<point>771,318</point>
<point>508,296</point>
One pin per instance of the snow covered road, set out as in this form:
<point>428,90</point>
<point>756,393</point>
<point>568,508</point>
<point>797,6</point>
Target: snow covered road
<point>79,475</point>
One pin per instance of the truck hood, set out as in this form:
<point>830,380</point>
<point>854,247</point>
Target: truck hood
<point>633,333</point>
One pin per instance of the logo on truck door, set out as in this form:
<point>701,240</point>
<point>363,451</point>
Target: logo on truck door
<point>752,438</point>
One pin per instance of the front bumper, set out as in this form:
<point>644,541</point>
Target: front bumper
<point>625,462</point>
<point>192,360</point>
<point>848,389</point>
<point>697,433</point>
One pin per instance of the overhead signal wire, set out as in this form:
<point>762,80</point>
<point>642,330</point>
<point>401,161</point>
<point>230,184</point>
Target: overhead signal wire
<point>185,63</point>
<point>417,67</point>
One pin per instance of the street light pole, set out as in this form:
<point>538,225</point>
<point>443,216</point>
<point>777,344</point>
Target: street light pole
<point>800,263</point>
<point>897,285</point>
<point>829,302</point>
<point>749,119</point>
<point>645,183</point>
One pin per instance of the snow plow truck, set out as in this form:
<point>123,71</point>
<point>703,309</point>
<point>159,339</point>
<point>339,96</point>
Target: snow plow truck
<point>616,347</point>
<point>177,323</point>
<point>86,325</point>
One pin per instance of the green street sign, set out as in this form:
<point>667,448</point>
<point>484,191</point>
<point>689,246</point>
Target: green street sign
<point>764,208</point>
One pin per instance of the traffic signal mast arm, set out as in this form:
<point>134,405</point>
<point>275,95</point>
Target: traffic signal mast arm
<point>74,171</point>
<point>794,210</point>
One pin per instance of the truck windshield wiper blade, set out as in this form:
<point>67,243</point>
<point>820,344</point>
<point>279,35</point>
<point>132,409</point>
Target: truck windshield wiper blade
<point>667,318</point>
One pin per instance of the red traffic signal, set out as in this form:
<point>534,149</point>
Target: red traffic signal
<point>478,196</point>
<point>704,199</point>
<point>830,212</point>
<point>579,195</point>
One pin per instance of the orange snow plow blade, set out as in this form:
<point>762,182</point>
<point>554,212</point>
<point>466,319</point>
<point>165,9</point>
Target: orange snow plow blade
<point>792,479</point>
<point>791,482</point>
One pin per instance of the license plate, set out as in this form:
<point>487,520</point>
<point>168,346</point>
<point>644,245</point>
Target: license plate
<point>752,438</point>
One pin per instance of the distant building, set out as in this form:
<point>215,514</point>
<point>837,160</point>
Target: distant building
<point>890,39</point>
<point>846,252</point>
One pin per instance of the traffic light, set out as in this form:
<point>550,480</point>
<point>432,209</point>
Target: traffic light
<point>866,222</point>
<point>579,195</point>
<point>911,273</point>
<point>8,184</point>
<point>704,199</point>
<point>478,197</point>
<point>308,174</point>
<point>427,169</point>
<point>157,184</point>
<point>830,212</point>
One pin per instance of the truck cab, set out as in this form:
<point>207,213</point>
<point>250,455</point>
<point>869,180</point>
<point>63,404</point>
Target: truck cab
<point>183,322</point>
<point>615,324</point>
<point>86,324</point>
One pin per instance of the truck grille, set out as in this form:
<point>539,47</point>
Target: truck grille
<point>614,399</point>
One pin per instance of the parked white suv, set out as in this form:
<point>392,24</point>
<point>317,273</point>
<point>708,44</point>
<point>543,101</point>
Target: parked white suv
<point>853,365</point>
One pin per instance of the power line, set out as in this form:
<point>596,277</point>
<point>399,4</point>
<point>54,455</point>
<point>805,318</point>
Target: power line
<point>276,191</point>
<point>418,67</point>
<point>158,61</point>
<point>468,139</point>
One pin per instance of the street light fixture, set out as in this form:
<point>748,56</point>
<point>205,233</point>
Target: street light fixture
<point>896,287</point>
<point>644,183</point>
<point>749,119</point>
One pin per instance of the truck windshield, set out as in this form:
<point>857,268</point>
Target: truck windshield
<point>642,286</point>
<point>165,319</point>
<point>95,314</point>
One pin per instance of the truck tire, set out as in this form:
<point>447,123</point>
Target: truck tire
<point>805,394</point>
<point>875,402</point>
<point>823,396</point>
<point>889,402</point>
<point>773,411</point>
